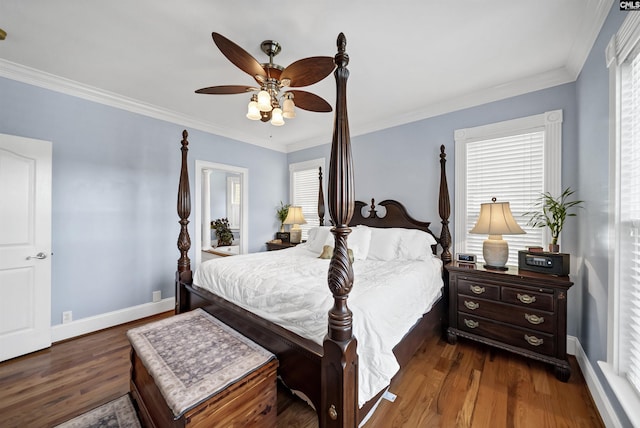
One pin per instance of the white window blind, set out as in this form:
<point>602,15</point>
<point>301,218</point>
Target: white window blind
<point>233,201</point>
<point>511,170</point>
<point>514,161</point>
<point>304,191</point>
<point>629,222</point>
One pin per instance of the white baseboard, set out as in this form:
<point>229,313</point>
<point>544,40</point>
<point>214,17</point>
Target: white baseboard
<point>602,402</point>
<point>89,325</point>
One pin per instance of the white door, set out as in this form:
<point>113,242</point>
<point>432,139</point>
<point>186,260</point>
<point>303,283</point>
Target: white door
<point>25,245</point>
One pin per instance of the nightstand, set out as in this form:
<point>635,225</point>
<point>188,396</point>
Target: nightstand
<point>273,246</point>
<point>516,310</point>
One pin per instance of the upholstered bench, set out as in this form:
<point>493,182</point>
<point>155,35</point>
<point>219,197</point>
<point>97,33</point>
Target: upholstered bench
<point>192,370</point>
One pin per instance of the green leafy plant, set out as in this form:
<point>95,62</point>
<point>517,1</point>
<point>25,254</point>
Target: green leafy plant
<point>223,232</point>
<point>552,212</point>
<point>282,212</point>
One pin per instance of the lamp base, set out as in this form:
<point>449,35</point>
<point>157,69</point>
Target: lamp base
<point>495,251</point>
<point>496,267</point>
<point>296,235</point>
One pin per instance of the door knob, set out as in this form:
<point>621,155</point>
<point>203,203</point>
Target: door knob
<point>38,256</point>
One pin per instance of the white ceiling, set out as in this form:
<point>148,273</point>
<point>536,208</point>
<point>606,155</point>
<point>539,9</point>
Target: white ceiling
<point>409,59</point>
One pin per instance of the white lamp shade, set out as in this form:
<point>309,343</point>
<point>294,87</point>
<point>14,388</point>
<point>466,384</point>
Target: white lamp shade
<point>288,110</point>
<point>253,112</point>
<point>276,117</point>
<point>264,101</point>
<point>294,216</point>
<point>496,219</point>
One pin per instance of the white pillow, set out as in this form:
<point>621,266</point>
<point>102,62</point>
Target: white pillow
<point>317,238</point>
<point>358,241</point>
<point>415,244</point>
<point>384,244</point>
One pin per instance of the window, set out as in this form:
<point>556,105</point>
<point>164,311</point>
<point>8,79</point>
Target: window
<point>304,186</point>
<point>622,368</point>
<point>514,161</point>
<point>233,201</point>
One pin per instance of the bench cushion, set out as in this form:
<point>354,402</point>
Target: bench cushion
<point>193,356</point>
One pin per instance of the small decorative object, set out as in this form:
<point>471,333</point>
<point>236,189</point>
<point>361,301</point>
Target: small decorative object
<point>496,220</point>
<point>552,212</point>
<point>295,218</point>
<point>223,232</point>
<point>281,213</point>
<point>283,236</point>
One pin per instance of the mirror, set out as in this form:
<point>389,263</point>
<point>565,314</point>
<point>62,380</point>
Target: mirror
<point>221,192</point>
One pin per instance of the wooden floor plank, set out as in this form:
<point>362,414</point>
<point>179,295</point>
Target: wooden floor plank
<point>444,385</point>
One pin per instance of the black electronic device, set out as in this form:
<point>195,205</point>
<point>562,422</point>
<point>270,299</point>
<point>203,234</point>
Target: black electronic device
<point>543,262</point>
<point>466,258</point>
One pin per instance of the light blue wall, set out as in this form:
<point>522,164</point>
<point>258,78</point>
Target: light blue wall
<point>401,163</point>
<point>592,161</point>
<point>115,181</point>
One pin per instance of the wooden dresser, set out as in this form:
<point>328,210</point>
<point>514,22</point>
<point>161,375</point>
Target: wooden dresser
<point>516,310</point>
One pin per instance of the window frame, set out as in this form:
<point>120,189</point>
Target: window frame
<point>303,166</point>
<point>549,122</point>
<point>621,46</point>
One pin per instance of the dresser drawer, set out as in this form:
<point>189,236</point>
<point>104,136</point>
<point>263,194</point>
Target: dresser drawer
<point>479,289</point>
<point>529,299</point>
<point>535,341</point>
<point>523,317</point>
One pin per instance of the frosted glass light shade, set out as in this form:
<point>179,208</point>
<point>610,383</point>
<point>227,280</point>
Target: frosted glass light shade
<point>276,117</point>
<point>253,112</point>
<point>264,101</point>
<point>288,110</point>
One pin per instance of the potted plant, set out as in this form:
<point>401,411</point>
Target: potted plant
<point>281,213</point>
<point>552,213</point>
<point>223,232</point>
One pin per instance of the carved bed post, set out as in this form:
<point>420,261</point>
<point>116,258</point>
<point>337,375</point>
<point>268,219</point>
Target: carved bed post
<point>184,241</point>
<point>320,198</point>
<point>444,209</point>
<point>339,395</point>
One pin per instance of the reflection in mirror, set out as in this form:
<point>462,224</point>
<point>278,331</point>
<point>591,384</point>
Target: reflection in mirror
<point>221,210</point>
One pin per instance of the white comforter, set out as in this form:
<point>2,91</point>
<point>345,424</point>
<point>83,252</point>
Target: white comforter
<point>289,287</point>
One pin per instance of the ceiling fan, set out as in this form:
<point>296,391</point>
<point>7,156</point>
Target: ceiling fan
<point>271,101</point>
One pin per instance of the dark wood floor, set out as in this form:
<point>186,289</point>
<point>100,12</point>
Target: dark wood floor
<point>463,385</point>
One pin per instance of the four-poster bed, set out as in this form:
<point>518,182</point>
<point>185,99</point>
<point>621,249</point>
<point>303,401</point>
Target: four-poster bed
<point>327,374</point>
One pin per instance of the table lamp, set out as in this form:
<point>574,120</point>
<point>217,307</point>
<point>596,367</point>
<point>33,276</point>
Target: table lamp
<point>496,220</point>
<point>295,218</point>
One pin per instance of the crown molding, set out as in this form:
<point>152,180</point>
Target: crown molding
<point>496,93</point>
<point>41,79</point>
<point>587,36</point>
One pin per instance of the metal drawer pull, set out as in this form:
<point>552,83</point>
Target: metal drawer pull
<point>477,289</point>
<point>534,319</point>
<point>471,305</point>
<point>532,340</point>
<point>471,323</point>
<point>525,298</point>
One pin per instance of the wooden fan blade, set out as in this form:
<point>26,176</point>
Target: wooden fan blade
<point>238,56</point>
<point>308,71</point>
<point>310,102</point>
<point>226,89</point>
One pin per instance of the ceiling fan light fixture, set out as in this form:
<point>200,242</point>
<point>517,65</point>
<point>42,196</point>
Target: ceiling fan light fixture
<point>276,117</point>
<point>253,112</point>
<point>264,101</point>
<point>288,108</point>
